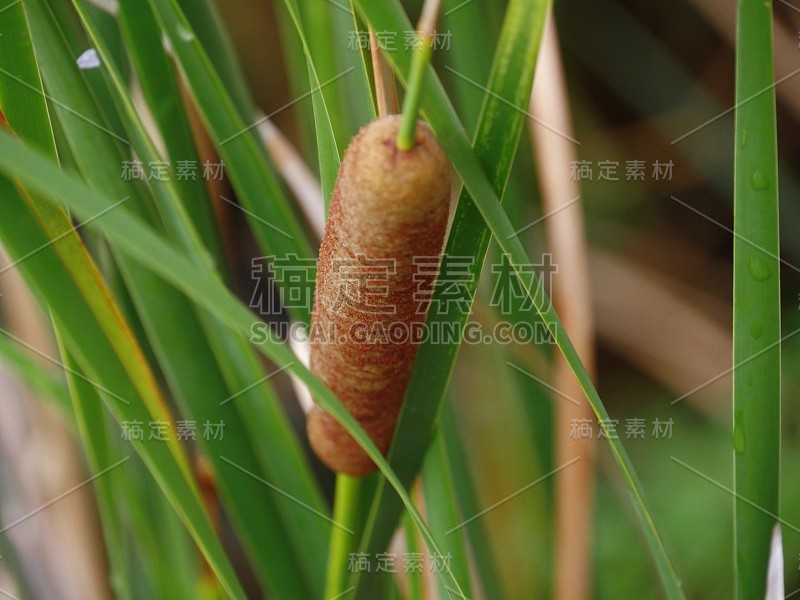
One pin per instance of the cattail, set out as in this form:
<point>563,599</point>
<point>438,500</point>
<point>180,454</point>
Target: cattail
<point>388,207</point>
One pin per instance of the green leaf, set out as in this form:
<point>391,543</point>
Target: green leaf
<point>485,560</point>
<point>55,263</point>
<point>42,381</point>
<point>160,87</point>
<point>484,191</point>
<point>271,217</point>
<point>756,302</point>
<point>129,234</point>
<point>258,431</point>
<point>327,145</point>
<point>90,416</point>
<point>62,274</point>
<point>442,511</point>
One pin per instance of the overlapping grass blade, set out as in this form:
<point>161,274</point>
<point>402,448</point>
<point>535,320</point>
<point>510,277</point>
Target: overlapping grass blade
<point>270,215</point>
<point>315,24</point>
<point>389,16</point>
<point>416,582</point>
<point>361,102</point>
<point>497,136</point>
<point>206,23</point>
<point>486,562</point>
<point>130,235</point>
<point>90,417</point>
<point>161,89</point>
<point>756,302</point>
<point>328,147</point>
<point>441,509</point>
<point>63,276</point>
<point>258,431</point>
<point>473,23</point>
<point>46,383</point>
<point>262,420</point>
<point>66,279</point>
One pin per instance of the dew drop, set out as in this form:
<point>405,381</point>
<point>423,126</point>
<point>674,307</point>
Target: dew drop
<point>743,138</point>
<point>759,181</point>
<point>758,269</point>
<point>738,432</point>
<point>185,34</point>
<point>756,329</point>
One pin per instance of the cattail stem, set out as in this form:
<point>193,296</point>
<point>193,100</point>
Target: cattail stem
<point>426,30</point>
<point>346,515</point>
<point>405,137</point>
<point>349,490</point>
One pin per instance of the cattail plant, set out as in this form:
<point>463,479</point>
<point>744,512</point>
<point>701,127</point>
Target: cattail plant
<point>116,120</point>
<point>389,207</point>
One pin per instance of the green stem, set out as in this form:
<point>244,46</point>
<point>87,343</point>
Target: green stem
<point>416,585</point>
<point>756,302</point>
<point>346,511</point>
<point>408,125</point>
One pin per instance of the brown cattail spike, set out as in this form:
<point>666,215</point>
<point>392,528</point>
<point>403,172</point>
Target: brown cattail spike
<point>388,207</point>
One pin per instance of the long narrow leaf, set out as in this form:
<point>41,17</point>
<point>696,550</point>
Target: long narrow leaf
<point>261,418</point>
<point>129,234</point>
<point>389,16</point>
<point>85,313</point>
<point>756,303</point>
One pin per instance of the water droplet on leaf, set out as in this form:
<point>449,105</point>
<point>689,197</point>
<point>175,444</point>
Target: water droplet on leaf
<point>185,34</point>
<point>758,269</point>
<point>759,181</point>
<point>756,329</point>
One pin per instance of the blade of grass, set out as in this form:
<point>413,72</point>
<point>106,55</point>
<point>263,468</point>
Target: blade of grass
<point>207,23</point>
<point>414,578</point>
<point>756,302</point>
<point>361,103</point>
<point>496,139</point>
<point>328,148</point>
<point>129,234</point>
<point>92,329</point>
<point>273,222</point>
<point>161,553</point>
<point>437,109</point>
<point>77,41</point>
<point>442,512</point>
<point>83,308</point>
<point>473,21</point>
<point>161,89</point>
<point>43,382</point>
<point>298,82</point>
<point>316,23</point>
<point>261,417</point>
<point>261,430</point>
<point>90,417</point>
<point>463,481</point>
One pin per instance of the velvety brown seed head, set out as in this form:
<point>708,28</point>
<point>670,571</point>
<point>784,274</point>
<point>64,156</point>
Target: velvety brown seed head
<point>388,206</point>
